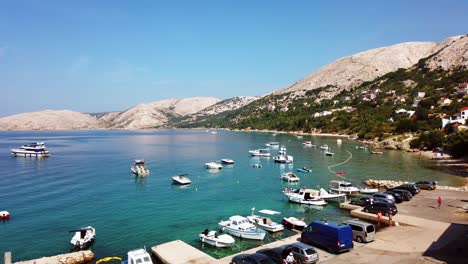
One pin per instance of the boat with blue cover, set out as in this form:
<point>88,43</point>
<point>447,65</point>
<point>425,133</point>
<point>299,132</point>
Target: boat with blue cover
<point>304,170</point>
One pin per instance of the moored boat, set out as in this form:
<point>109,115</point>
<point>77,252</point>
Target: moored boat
<point>181,179</point>
<point>213,165</point>
<point>328,153</point>
<point>368,190</point>
<point>214,239</point>
<point>140,256</point>
<point>256,165</point>
<point>139,168</point>
<point>304,169</point>
<point>240,226</point>
<point>4,215</point>
<point>283,157</point>
<point>290,177</point>
<point>36,149</point>
<point>324,147</point>
<point>330,196</point>
<point>227,161</point>
<point>260,152</point>
<point>304,196</point>
<point>343,187</point>
<point>83,238</point>
<point>339,141</point>
<point>294,223</point>
<point>264,222</point>
<point>272,144</point>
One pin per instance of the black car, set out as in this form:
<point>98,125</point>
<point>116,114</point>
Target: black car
<point>362,201</point>
<point>404,193</point>
<point>386,208</point>
<point>426,185</point>
<point>397,196</point>
<point>277,254</point>
<point>256,258</point>
<point>413,189</point>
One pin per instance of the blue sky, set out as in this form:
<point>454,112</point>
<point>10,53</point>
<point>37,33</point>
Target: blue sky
<point>96,56</point>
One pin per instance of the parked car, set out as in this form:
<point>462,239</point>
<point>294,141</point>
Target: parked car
<point>277,254</point>
<point>426,185</point>
<point>405,193</point>
<point>397,196</point>
<point>334,237</point>
<point>303,253</point>
<point>362,201</point>
<point>409,187</point>
<point>384,197</point>
<point>362,231</point>
<point>255,258</point>
<point>386,208</point>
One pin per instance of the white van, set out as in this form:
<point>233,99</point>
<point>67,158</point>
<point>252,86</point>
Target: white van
<point>362,231</point>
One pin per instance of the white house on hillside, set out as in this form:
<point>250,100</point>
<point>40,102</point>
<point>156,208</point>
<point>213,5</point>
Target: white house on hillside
<point>461,117</point>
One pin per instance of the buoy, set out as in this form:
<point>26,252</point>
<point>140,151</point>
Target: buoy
<point>4,215</point>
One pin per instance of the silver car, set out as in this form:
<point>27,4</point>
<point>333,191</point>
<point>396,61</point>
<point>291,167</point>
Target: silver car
<point>303,253</point>
<point>362,231</point>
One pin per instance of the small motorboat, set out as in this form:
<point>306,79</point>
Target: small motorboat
<point>343,187</point>
<point>260,152</point>
<point>340,172</point>
<point>330,196</point>
<point>264,222</point>
<point>339,141</point>
<point>181,179</point>
<point>283,157</point>
<point>139,168</point>
<point>139,256</point>
<point>4,215</point>
<point>307,144</point>
<point>83,238</point>
<point>305,196</point>
<point>272,144</point>
<point>377,152</point>
<point>256,165</point>
<point>324,147</point>
<point>328,153</point>
<point>366,190</point>
<point>289,177</point>
<point>213,165</point>
<point>227,161</point>
<point>304,170</point>
<point>240,226</point>
<point>294,223</point>
<point>214,239</point>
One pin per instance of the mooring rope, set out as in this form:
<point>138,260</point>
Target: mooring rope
<point>341,163</point>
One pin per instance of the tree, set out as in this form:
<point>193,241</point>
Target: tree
<point>457,144</point>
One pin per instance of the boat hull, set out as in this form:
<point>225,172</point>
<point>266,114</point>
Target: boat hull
<point>23,153</point>
<point>258,234</point>
<point>220,241</point>
<point>293,225</point>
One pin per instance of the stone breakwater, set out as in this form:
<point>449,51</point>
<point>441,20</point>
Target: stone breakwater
<point>80,257</point>
<point>391,184</point>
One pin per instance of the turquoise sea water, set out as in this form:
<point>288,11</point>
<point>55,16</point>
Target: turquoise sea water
<point>87,181</point>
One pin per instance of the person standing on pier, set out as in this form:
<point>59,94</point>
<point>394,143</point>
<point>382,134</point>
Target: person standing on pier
<point>379,219</point>
<point>439,202</point>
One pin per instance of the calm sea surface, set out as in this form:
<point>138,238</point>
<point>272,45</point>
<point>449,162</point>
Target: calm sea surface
<point>87,181</point>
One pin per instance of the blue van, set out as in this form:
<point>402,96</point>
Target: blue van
<point>333,236</point>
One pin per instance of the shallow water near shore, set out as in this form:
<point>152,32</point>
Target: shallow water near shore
<point>87,181</point>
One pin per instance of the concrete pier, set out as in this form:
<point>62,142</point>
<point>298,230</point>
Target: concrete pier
<point>80,257</point>
<point>179,252</point>
<point>7,257</point>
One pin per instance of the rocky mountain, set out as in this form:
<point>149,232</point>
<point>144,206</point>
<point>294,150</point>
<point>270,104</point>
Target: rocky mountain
<point>156,114</point>
<point>452,54</point>
<point>50,120</point>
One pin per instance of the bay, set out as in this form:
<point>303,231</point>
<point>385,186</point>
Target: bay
<point>87,181</point>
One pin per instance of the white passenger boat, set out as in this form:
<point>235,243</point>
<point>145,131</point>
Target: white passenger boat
<point>37,149</point>
<point>260,152</point>
<point>213,165</point>
<point>227,161</point>
<point>304,196</point>
<point>140,256</point>
<point>83,238</point>
<point>290,177</point>
<point>139,168</point>
<point>294,223</point>
<point>343,187</point>
<point>283,157</point>
<point>181,179</point>
<point>214,239</point>
<point>240,226</point>
<point>265,222</point>
<point>272,144</point>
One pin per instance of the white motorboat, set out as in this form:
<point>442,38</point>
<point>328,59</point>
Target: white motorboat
<point>256,165</point>
<point>260,152</point>
<point>272,144</point>
<point>214,239</point>
<point>309,144</point>
<point>305,196</point>
<point>181,179</point>
<point>343,187</point>
<point>139,168</point>
<point>339,141</point>
<point>368,190</point>
<point>37,149</point>
<point>290,177</point>
<point>83,238</point>
<point>330,196</point>
<point>264,222</point>
<point>240,226</point>
<point>213,165</point>
<point>294,223</point>
<point>227,161</point>
<point>324,147</point>
<point>140,256</point>
<point>328,153</point>
<point>283,157</point>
